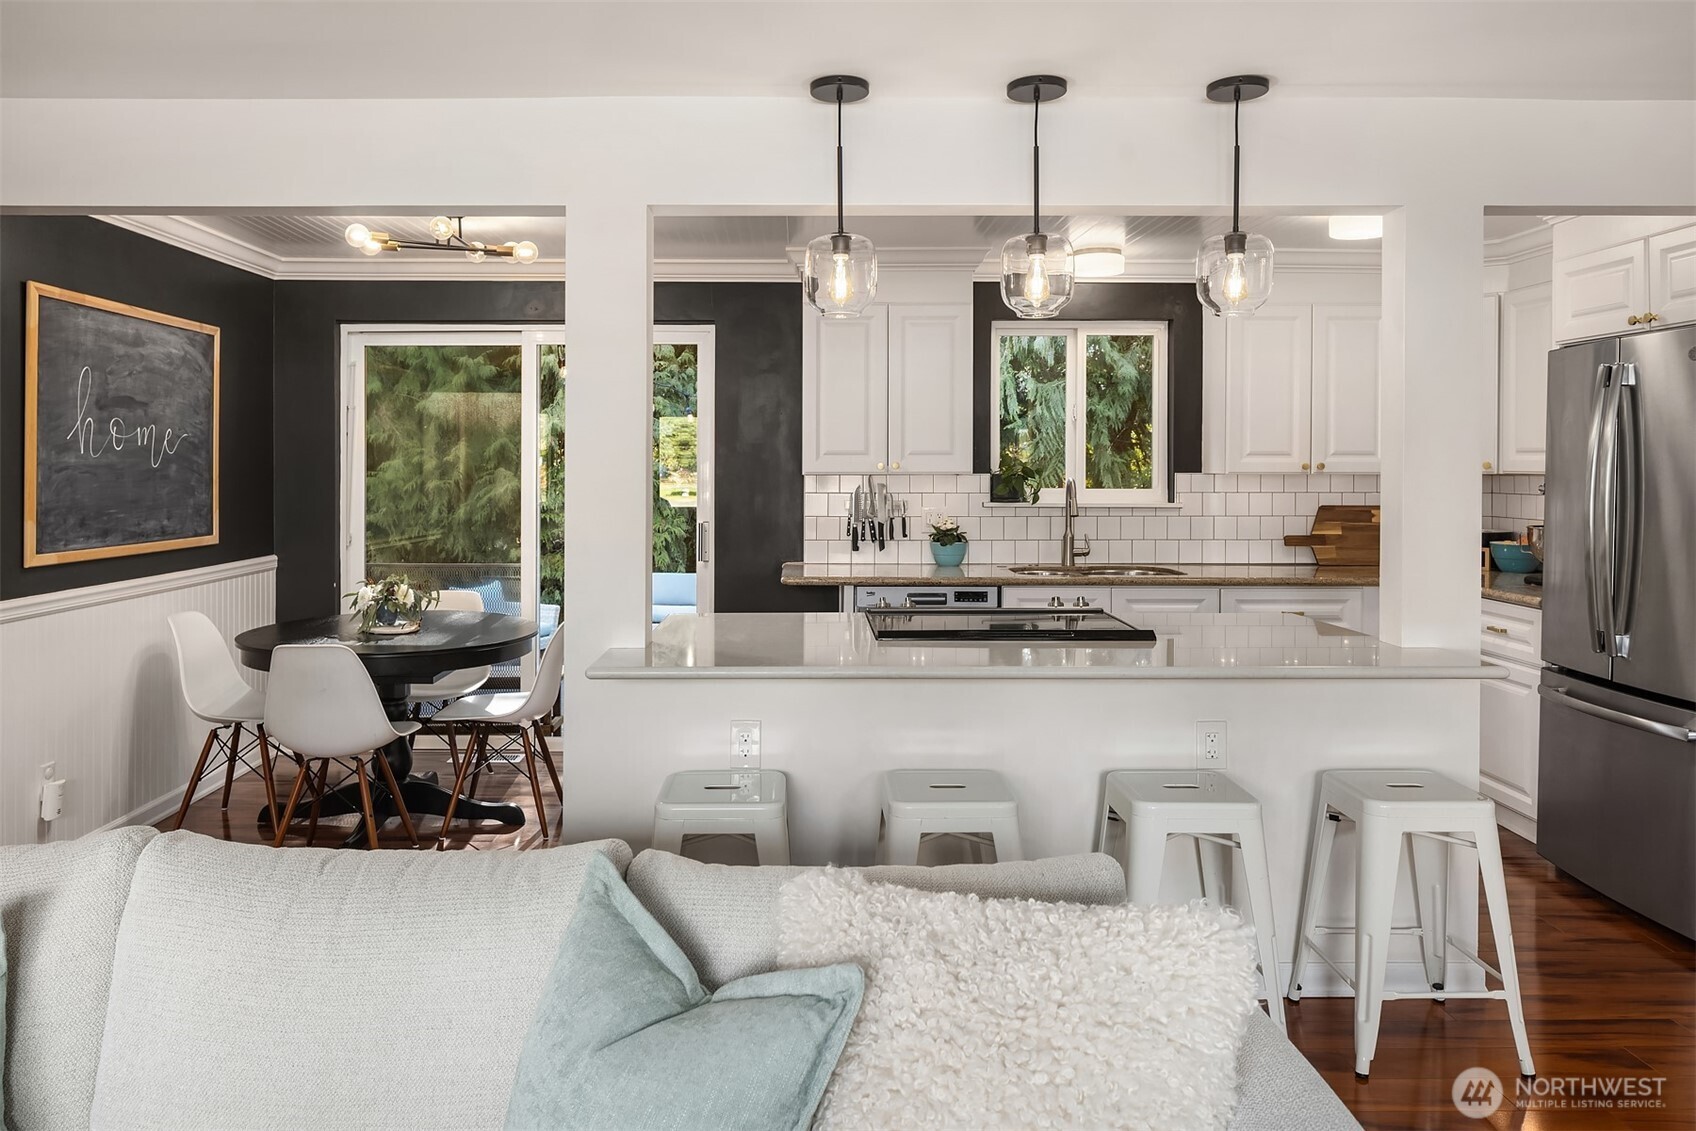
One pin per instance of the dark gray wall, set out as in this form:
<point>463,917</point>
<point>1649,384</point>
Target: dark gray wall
<point>309,318</point>
<point>96,258</point>
<point>758,441</point>
<point>1172,303</point>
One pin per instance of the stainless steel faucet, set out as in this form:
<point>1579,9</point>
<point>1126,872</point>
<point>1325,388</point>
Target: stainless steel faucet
<point>1069,552</point>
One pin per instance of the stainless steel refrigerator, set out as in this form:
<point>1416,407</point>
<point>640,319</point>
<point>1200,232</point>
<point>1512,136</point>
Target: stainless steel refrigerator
<point>1616,782</point>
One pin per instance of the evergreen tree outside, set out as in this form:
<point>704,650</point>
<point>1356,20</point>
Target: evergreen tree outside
<point>1118,424</point>
<point>675,404</point>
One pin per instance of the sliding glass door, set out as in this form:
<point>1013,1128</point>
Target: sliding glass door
<point>683,470</point>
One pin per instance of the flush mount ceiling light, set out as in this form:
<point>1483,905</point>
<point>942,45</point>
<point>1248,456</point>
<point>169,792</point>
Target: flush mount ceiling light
<point>1099,262</point>
<point>1357,227</point>
<point>1036,268</point>
<point>840,272</point>
<point>448,236</point>
<point>1233,272</point>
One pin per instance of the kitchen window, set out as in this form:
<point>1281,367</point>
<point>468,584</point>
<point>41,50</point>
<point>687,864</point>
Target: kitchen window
<point>1086,401</point>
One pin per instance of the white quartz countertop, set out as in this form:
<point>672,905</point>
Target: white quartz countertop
<point>1188,646</point>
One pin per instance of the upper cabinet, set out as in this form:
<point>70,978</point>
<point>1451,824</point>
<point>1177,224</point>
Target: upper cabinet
<point>1522,405</point>
<point>1624,284</point>
<point>1301,389</point>
<point>888,391</point>
<point>1489,383</point>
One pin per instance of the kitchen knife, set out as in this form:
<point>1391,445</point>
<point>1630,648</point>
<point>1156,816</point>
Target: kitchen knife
<point>854,522</point>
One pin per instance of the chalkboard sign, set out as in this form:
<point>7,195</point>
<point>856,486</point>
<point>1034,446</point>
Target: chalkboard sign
<point>121,429</point>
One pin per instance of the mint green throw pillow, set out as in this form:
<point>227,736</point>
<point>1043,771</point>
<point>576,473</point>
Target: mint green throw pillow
<point>625,1036</point>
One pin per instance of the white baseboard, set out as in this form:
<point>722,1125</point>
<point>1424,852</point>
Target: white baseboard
<point>1517,823</point>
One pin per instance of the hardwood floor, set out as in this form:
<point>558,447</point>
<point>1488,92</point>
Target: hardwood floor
<point>1607,993</point>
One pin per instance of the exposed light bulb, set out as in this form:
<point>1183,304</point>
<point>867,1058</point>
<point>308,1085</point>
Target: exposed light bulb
<point>441,228</point>
<point>526,252</point>
<point>372,247</point>
<point>1236,285</point>
<point>841,283</point>
<point>476,254</point>
<point>357,235</point>
<point>1036,279</point>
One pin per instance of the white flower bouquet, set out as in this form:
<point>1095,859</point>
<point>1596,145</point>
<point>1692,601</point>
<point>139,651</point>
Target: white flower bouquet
<point>392,604</point>
<point>946,532</point>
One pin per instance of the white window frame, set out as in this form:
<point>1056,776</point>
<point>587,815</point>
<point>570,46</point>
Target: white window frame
<point>1156,495</point>
<point>705,340</point>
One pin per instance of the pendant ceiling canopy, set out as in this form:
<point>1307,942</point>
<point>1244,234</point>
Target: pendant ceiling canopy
<point>1233,272</point>
<point>1037,268</point>
<point>840,271</point>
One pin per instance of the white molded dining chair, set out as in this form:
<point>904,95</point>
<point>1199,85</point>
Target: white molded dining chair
<point>217,694</point>
<point>518,715</point>
<point>454,684</point>
<point>322,705</point>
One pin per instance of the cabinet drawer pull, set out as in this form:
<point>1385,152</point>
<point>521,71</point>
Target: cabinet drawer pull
<point>1496,628</point>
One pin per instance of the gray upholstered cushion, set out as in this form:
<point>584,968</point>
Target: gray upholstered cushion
<point>1278,1090</point>
<point>725,918</point>
<point>61,904</point>
<point>257,988</point>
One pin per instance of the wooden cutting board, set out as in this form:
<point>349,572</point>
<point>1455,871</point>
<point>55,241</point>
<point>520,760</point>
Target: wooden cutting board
<point>1341,535</point>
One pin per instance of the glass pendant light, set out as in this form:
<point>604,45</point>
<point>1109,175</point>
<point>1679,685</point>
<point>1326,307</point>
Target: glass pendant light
<point>840,272</point>
<point>1036,268</point>
<point>1233,272</point>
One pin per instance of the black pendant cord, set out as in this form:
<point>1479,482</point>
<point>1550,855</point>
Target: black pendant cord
<point>841,227</point>
<point>1036,160</point>
<point>1236,156</point>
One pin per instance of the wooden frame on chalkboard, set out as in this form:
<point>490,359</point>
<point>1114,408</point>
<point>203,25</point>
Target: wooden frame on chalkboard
<point>32,361</point>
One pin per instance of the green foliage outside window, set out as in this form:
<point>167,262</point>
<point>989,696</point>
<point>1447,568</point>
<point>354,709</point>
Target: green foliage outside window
<point>1118,425</point>
<point>675,406</point>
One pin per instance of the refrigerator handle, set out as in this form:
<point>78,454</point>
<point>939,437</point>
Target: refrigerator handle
<point>1596,526</point>
<point>1564,698</point>
<point>1627,509</point>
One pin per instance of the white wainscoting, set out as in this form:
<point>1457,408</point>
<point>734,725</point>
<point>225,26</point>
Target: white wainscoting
<point>88,681</point>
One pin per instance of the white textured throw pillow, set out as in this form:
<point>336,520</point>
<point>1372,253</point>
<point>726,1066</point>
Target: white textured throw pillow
<point>989,1013</point>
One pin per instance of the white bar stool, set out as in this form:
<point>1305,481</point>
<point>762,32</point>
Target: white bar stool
<point>974,804</point>
<point>725,803</point>
<point>1209,807</point>
<point>1386,806</point>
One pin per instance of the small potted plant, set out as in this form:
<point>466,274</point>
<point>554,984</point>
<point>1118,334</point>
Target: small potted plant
<point>1014,480</point>
<point>391,606</point>
<point>947,542</point>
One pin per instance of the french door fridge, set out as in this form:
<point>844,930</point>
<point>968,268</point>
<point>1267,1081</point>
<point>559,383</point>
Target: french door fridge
<point>1616,804</point>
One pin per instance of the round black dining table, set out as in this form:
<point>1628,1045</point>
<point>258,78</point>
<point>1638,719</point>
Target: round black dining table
<point>447,641</point>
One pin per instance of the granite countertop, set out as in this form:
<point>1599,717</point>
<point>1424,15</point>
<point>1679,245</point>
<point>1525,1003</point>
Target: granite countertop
<point>1188,646</point>
<point>1511,587</point>
<point>875,573</point>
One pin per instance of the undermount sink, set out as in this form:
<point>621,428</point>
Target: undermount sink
<point>1094,571</point>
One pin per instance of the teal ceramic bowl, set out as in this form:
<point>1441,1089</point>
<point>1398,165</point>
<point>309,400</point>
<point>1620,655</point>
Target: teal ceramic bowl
<point>1511,557</point>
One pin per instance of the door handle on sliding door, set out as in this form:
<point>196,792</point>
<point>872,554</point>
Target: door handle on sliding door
<point>700,541</point>
<point>1595,524</point>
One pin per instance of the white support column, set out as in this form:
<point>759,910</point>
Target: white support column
<point>1433,256</point>
<point>608,474</point>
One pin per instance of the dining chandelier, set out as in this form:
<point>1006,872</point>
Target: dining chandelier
<point>448,235</point>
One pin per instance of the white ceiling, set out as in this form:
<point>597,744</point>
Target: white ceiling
<point>1578,49</point>
<point>300,246</point>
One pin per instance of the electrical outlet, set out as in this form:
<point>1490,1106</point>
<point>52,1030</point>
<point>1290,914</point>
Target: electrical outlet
<point>47,769</point>
<point>745,744</point>
<point>1210,744</point>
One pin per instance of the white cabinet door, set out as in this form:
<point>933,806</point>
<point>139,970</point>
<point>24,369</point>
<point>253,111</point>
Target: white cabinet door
<point>1595,293</point>
<point>1129,600</point>
<point>1508,726</point>
<point>1044,596</point>
<point>1269,390</point>
<point>1525,379</point>
<point>1338,606</point>
<point>845,393</point>
<point>1490,383</point>
<point>1345,389</point>
<point>930,389</point>
<point>1672,276</point>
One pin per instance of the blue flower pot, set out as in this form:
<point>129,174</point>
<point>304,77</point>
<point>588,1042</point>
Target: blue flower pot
<point>386,616</point>
<point>948,555</point>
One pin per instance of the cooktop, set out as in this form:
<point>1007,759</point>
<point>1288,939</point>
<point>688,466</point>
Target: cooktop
<point>1032,625</point>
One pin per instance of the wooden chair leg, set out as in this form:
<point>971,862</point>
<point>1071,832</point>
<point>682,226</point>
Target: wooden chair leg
<point>394,792</point>
<point>288,813</point>
<point>265,772</point>
<point>458,786</point>
<point>534,775</point>
<point>453,747</point>
<point>479,756</point>
<point>365,803</point>
<point>317,797</point>
<point>230,764</point>
<point>194,778</point>
<point>548,760</point>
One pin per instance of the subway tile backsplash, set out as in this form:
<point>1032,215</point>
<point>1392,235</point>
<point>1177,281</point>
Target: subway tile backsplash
<point>1220,519</point>
<point>1512,501</point>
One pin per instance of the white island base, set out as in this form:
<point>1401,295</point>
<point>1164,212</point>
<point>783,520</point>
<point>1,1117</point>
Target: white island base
<point>837,710</point>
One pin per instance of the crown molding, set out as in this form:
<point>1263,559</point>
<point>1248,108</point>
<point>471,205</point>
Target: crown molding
<point>1520,246</point>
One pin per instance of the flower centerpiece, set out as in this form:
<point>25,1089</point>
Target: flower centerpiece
<point>392,605</point>
<point>947,542</point>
